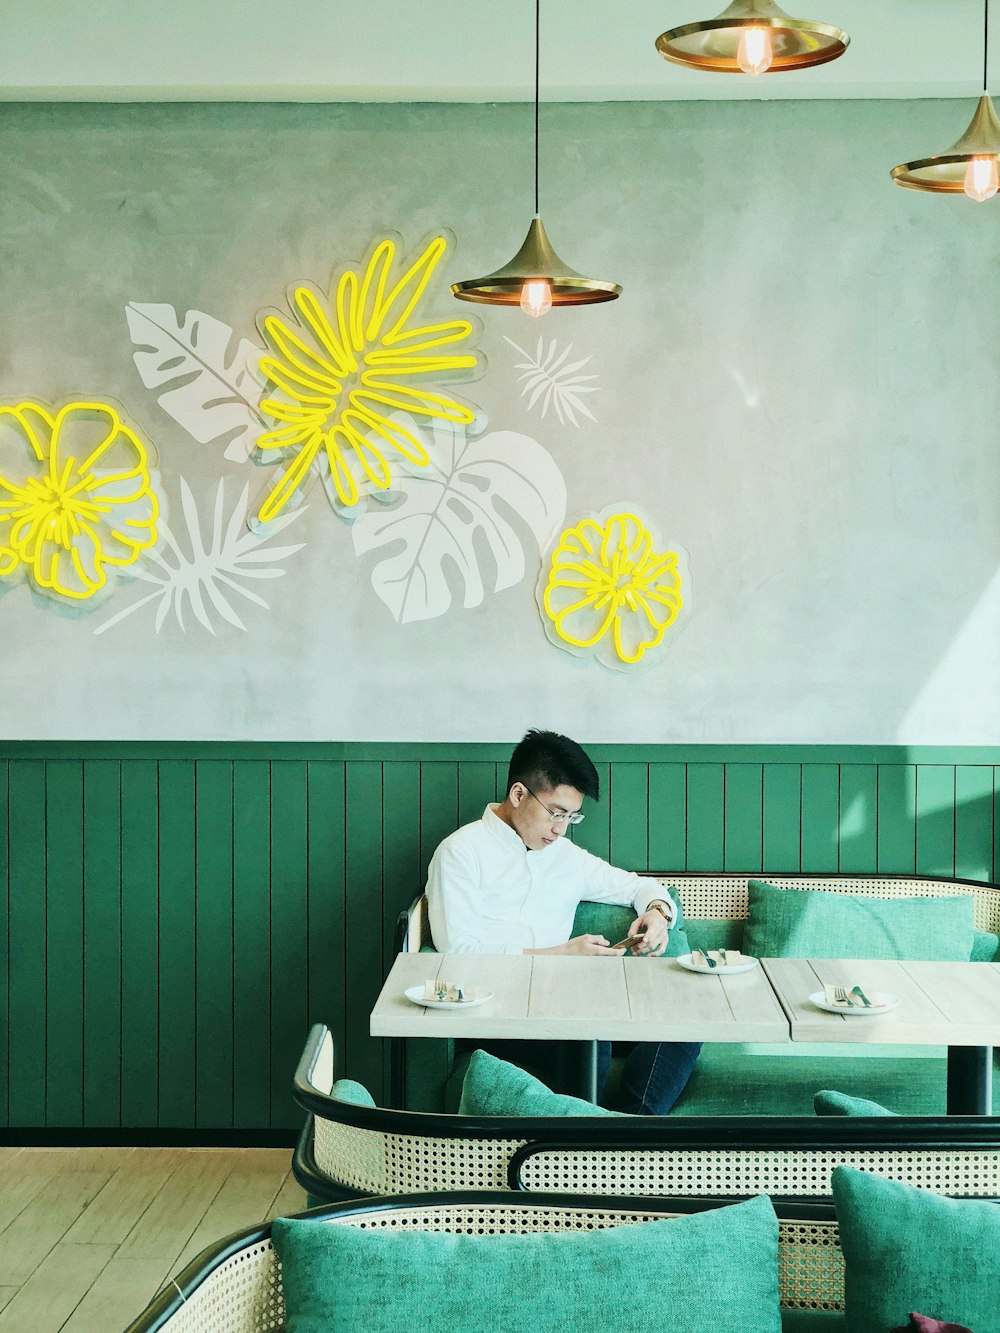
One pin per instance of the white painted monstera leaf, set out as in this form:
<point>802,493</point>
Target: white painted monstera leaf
<point>466,519</point>
<point>207,375</point>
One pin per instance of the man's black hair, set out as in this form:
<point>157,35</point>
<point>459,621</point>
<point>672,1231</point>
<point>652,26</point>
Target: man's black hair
<point>544,760</point>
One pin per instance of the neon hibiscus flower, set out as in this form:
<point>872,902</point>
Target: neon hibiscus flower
<point>75,496</point>
<point>339,376</point>
<point>610,590</point>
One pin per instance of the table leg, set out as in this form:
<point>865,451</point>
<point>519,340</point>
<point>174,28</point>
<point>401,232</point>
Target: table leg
<point>970,1080</point>
<point>579,1060</point>
<point>397,1073</point>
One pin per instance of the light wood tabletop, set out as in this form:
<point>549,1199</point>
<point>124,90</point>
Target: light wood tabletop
<point>551,997</point>
<point>941,1004</point>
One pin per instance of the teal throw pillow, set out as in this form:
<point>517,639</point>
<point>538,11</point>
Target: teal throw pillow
<point>906,1249</point>
<point>494,1087</point>
<point>811,923</point>
<point>985,947</point>
<point>828,1102</point>
<point>346,1090</point>
<point>717,1269</point>
<point>613,922</point>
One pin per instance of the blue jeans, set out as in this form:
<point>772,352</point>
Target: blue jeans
<point>654,1076</point>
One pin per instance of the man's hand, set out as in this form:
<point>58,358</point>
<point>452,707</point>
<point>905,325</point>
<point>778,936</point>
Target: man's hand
<point>584,946</point>
<point>652,932</point>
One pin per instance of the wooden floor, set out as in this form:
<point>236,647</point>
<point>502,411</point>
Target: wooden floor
<point>89,1235</point>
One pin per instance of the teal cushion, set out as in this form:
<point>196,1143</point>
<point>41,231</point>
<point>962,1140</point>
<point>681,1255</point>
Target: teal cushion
<point>810,923</point>
<point>985,947</point>
<point>827,1102</point>
<point>494,1087</point>
<point>613,922</point>
<point>346,1090</point>
<point>721,1264</point>
<point>907,1249</point>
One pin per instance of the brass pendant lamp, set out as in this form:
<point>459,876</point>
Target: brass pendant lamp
<point>969,166</point>
<point>752,37</point>
<point>536,278</point>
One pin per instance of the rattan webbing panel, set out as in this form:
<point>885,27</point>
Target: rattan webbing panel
<point>725,896</point>
<point>690,1173</point>
<point>243,1295</point>
<point>379,1163</point>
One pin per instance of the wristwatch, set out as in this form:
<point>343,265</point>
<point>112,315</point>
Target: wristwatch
<point>660,907</point>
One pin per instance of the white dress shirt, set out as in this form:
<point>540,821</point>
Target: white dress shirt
<point>488,893</point>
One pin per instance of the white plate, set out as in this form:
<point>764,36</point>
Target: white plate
<point>881,1000</point>
<point>730,969</point>
<point>416,994</point>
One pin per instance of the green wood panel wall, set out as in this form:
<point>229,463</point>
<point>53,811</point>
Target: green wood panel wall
<point>179,915</point>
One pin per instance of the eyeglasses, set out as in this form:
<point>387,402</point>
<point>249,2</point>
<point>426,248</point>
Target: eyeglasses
<point>559,816</point>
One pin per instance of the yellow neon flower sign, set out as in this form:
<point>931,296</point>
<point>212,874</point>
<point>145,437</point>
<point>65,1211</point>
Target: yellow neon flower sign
<point>338,376</point>
<point>75,496</point>
<point>609,589</point>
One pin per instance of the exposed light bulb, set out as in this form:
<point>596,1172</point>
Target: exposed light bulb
<point>536,297</point>
<point>981,178</point>
<point>754,54</point>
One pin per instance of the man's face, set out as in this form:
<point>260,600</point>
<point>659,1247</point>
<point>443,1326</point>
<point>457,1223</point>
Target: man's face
<point>535,814</point>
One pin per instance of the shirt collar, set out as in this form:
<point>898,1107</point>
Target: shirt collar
<point>499,829</point>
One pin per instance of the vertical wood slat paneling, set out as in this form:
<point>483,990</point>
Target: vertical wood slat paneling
<point>140,943</point>
<point>191,939</point>
<point>858,828</point>
<point>363,844</point>
<point>327,911</point>
<point>897,804</point>
<point>936,819</point>
<point>667,816</point>
<point>628,802</point>
<point>64,1062</point>
<point>594,834</point>
<point>213,859</point>
<point>782,834</point>
<point>5,948</point>
<point>401,881</point>
<point>102,924</point>
<point>252,944</point>
<point>177,1016</point>
<point>820,827</point>
<point>26,997</point>
<point>974,821</point>
<point>289,926</point>
<point>706,816</point>
<point>743,817</point>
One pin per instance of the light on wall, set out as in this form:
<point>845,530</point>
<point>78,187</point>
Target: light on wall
<point>969,166</point>
<point>752,37</point>
<point>536,278</point>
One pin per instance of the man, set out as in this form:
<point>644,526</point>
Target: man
<point>511,883</point>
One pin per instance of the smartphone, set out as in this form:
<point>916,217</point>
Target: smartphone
<point>628,942</point>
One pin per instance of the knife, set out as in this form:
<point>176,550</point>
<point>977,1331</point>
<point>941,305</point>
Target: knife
<point>856,990</point>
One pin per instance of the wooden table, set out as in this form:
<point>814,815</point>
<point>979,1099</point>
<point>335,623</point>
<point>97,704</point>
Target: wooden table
<point>941,1004</point>
<point>551,998</point>
<point>545,997</point>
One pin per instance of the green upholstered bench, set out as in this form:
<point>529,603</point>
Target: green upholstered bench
<point>350,1147</point>
<point>739,1079</point>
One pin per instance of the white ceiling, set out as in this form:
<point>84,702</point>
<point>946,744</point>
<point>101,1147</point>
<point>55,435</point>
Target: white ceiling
<point>454,50</point>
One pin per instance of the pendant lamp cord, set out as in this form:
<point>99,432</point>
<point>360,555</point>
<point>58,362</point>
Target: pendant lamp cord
<point>986,45</point>
<point>538,11</point>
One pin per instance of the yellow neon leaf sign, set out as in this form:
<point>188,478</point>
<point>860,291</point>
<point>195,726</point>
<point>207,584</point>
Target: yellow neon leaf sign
<point>609,591</point>
<point>345,365</point>
<point>75,496</point>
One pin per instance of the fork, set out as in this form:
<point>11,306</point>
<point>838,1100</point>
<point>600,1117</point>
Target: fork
<point>842,997</point>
